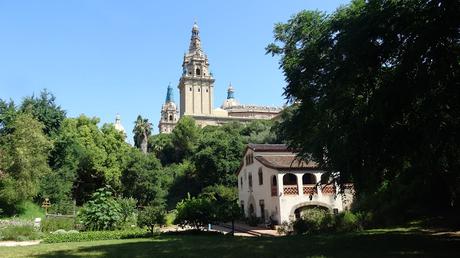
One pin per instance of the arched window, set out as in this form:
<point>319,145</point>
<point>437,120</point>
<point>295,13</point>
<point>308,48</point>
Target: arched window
<point>325,179</point>
<point>241,182</point>
<point>199,89</point>
<point>274,190</point>
<point>274,181</point>
<point>170,117</point>
<point>250,181</point>
<point>308,179</point>
<point>198,71</point>
<point>289,179</point>
<point>261,178</point>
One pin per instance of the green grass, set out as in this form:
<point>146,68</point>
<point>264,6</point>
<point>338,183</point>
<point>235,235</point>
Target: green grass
<point>376,243</point>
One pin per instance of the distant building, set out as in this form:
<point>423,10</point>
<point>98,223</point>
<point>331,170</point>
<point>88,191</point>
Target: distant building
<point>196,89</point>
<point>273,183</point>
<point>118,126</point>
<point>169,113</point>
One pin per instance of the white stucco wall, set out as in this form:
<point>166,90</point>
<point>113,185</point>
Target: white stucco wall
<point>281,207</point>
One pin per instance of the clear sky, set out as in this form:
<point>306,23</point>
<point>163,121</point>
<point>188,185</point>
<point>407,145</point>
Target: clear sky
<point>100,57</point>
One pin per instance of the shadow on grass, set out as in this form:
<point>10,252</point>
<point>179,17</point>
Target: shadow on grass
<point>345,245</point>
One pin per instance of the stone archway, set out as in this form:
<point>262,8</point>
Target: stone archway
<point>296,209</point>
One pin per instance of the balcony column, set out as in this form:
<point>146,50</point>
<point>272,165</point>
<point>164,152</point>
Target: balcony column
<point>318,184</point>
<point>299,184</point>
<point>279,177</point>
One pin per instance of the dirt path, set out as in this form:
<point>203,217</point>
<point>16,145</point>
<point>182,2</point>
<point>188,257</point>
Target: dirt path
<point>19,243</point>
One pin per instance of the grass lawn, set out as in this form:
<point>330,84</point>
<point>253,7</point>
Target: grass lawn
<point>372,243</point>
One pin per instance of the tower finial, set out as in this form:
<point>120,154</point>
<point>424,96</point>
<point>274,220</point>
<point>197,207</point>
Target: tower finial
<point>230,91</point>
<point>195,42</point>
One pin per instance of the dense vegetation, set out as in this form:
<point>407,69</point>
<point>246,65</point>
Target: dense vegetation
<point>45,154</point>
<point>376,93</point>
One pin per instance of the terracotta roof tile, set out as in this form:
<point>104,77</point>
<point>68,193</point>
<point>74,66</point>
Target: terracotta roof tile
<point>285,162</point>
<point>269,147</point>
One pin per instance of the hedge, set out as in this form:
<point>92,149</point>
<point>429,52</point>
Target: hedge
<point>95,235</point>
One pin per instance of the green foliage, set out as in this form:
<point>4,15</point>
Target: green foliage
<point>196,212</point>
<point>161,145</point>
<point>143,178</point>
<point>128,211</point>
<point>45,110</point>
<point>102,212</point>
<point>94,236</point>
<point>152,216</point>
<point>224,200</point>
<point>142,130</point>
<point>52,224</point>
<point>24,161</point>
<point>8,114</point>
<point>29,210</point>
<point>217,157</point>
<point>94,157</point>
<point>376,93</point>
<point>19,233</point>
<point>316,221</point>
<point>184,138</point>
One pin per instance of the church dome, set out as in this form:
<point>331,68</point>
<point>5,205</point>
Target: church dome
<point>230,101</point>
<point>118,126</point>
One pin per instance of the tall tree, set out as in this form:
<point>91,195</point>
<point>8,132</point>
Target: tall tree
<point>184,137</point>
<point>142,130</point>
<point>45,110</point>
<point>377,92</point>
<point>24,160</point>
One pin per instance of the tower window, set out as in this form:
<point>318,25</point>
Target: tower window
<point>198,71</point>
<point>190,88</point>
<point>206,90</point>
<point>170,117</point>
<point>199,90</point>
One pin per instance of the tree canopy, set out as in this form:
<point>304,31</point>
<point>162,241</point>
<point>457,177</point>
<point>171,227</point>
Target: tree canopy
<point>376,96</point>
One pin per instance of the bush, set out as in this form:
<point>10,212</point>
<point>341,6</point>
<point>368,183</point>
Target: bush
<point>152,216</point>
<point>52,224</point>
<point>320,221</point>
<point>102,212</point>
<point>29,210</point>
<point>94,235</point>
<point>19,233</point>
<point>196,212</point>
<point>128,212</point>
<point>253,221</point>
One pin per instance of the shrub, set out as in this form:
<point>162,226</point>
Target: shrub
<point>347,222</point>
<point>196,212</point>
<point>29,210</point>
<point>152,216</point>
<point>19,233</point>
<point>128,212</point>
<point>94,235</point>
<point>52,224</point>
<point>102,212</point>
<point>253,221</point>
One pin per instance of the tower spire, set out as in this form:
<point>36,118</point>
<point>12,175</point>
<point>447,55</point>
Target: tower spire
<point>195,42</point>
<point>169,94</point>
<point>230,92</point>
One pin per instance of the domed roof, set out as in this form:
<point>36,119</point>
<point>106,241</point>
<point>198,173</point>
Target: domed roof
<point>118,126</point>
<point>228,103</point>
<point>170,106</point>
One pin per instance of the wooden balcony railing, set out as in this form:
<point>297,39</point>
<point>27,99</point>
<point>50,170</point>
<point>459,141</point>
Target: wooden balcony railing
<point>309,189</point>
<point>290,190</point>
<point>328,189</point>
<point>274,191</point>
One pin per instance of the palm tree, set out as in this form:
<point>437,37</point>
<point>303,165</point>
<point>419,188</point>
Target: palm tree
<point>142,130</point>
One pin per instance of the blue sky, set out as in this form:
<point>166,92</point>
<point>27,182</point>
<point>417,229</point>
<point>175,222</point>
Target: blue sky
<point>100,57</point>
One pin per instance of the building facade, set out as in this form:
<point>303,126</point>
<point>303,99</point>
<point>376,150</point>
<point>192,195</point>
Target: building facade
<point>274,185</point>
<point>196,90</point>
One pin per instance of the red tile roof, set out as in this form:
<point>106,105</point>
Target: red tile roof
<point>269,147</point>
<point>285,162</point>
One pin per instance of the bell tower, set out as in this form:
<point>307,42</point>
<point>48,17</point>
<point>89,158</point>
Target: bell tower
<point>196,85</point>
<point>169,114</point>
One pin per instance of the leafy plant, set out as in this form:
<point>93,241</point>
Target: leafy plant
<point>19,233</point>
<point>102,212</point>
<point>53,224</point>
<point>94,235</point>
<point>152,216</point>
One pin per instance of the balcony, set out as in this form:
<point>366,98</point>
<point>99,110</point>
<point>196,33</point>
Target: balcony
<point>290,190</point>
<point>328,189</point>
<point>309,189</point>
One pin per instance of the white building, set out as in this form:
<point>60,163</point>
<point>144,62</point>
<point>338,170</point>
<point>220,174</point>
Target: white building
<point>272,182</point>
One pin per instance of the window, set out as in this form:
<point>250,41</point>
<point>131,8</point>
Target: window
<point>250,181</point>
<point>242,206</point>
<point>170,117</point>
<point>262,209</point>
<point>261,178</point>
<point>198,71</point>
<point>190,88</point>
<point>241,182</point>
<point>206,90</point>
<point>199,89</point>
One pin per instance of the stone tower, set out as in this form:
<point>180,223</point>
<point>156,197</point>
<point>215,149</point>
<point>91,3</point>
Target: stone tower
<point>196,85</point>
<point>118,126</point>
<point>169,113</point>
